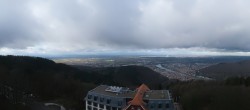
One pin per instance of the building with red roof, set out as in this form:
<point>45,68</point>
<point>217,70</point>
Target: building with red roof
<point>106,97</point>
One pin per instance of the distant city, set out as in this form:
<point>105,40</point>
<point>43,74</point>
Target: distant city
<point>181,68</point>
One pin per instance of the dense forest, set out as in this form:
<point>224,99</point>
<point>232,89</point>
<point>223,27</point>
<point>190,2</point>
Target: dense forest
<point>230,94</point>
<point>44,79</point>
<point>225,70</point>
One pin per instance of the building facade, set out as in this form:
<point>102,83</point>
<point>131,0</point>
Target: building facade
<point>106,97</point>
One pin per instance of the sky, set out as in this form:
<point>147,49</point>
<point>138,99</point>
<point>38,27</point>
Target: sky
<point>125,27</point>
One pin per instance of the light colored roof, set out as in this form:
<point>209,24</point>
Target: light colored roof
<point>150,94</point>
<point>157,94</point>
<point>102,90</point>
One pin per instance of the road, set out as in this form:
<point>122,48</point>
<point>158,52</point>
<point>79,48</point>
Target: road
<point>177,106</point>
<point>46,106</point>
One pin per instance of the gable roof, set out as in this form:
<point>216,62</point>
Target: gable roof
<point>138,98</point>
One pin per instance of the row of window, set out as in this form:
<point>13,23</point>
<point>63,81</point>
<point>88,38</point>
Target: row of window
<point>101,99</point>
<point>152,106</point>
<point>107,108</point>
<point>135,108</point>
<point>159,105</point>
<point>96,105</point>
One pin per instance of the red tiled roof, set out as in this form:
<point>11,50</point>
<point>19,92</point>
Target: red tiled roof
<point>138,98</point>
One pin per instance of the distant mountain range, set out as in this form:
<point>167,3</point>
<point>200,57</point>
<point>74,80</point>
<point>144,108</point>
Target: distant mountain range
<point>225,70</point>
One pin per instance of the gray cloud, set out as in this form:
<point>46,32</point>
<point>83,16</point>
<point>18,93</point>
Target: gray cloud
<point>17,27</point>
<point>84,25</point>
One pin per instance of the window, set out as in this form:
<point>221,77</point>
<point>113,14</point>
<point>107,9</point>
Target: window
<point>159,105</point>
<point>89,103</point>
<point>95,98</point>
<point>151,105</point>
<point>119,103</point>
<point>132,108</point>
<point>101,106</point>
<point>114,108</point>
<point>89,96</point>
<point>95,104</point>
<point>167,105</point>
<point>89,108</point>
<point>101,99</point>
<point>108,108</point>
<point>95,109</point>
<point>108,101</point>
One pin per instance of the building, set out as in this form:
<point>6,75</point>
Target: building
<point>106,97</point>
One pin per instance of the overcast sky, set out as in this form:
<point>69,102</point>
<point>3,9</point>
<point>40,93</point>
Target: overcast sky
<point>164,27</point>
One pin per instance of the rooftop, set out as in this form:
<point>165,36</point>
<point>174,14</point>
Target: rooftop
<point>157,94</point>
<point>125,92</point>
<point>102,89</point>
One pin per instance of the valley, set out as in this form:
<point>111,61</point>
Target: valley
<point>172,67</point>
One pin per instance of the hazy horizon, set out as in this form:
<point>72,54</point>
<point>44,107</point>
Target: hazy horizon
<point>131,27</point>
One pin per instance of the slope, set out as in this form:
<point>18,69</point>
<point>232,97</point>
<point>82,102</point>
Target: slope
<point>225,70</point>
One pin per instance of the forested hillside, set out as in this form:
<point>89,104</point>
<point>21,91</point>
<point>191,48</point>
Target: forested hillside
<point>225,70</point>
<point>46,80</point>
<point>230,94</point>
<point>130,76</point>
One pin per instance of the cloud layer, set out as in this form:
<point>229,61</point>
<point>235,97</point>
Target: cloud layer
<point>72,26</point>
